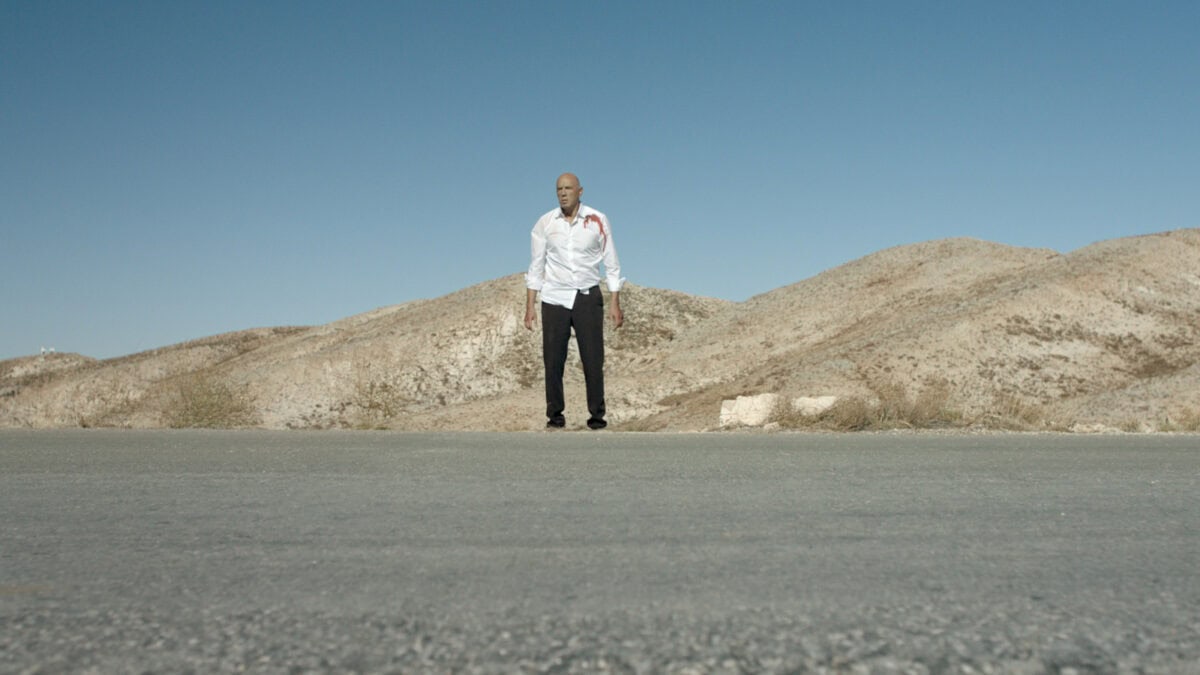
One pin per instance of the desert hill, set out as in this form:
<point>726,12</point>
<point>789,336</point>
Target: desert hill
<point>410,366</point>
<point>1105,336</point>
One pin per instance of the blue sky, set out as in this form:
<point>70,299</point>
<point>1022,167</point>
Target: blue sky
<point>171,170</point>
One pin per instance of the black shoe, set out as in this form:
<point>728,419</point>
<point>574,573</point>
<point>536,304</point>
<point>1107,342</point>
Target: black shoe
<point>556,422</point>
<point>596,423</point>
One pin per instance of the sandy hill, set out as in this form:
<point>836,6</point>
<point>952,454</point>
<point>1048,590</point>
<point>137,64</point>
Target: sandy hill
<point>1105,335</point>
<point>420,365</point>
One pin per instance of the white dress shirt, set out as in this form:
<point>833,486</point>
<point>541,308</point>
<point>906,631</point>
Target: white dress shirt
<point>567,254</point>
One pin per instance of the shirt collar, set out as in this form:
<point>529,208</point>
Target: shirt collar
<point>580,214</point>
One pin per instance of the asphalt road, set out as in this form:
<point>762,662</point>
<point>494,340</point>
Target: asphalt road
<point>582,552</point>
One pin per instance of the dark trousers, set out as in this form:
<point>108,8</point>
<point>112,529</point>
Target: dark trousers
<point>587,317</point>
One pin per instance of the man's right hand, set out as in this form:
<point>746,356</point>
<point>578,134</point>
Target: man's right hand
<point>530,317</point>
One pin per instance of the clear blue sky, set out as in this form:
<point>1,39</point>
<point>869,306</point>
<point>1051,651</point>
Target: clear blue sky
<point>171,170</point>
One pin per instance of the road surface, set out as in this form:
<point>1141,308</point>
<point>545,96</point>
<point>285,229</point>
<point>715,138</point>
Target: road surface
<point>133,551</point>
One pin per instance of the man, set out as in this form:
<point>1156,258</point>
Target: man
<point>568,246</point>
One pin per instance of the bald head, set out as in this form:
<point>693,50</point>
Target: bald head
<point>569,192</point>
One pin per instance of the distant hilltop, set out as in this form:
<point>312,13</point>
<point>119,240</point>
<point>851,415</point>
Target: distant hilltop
<point>954,333</point>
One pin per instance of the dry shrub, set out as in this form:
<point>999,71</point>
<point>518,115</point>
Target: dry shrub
<point>847,414</point>
<point>891,408</point>
<point>788,417</point>
<point>203,402</point>
<point>1131,425</point>
<point>896,409</point>
<point>377,403</point>
<point>932,407</point>
<point>376,400</point>
<point>851,414</point>
<point>1185,421</point>
<point>1010,411</point>
<point>119,405</point>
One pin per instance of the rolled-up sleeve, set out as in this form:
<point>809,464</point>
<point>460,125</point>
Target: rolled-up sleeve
<point>612,264</point>
<point>536,276</point>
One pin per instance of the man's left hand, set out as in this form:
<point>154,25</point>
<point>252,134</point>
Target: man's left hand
<point>617,316</point>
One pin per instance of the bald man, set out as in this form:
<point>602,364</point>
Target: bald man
<point>569,245</point>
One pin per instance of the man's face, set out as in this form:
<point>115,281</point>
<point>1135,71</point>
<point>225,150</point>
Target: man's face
<point>569,192</point>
